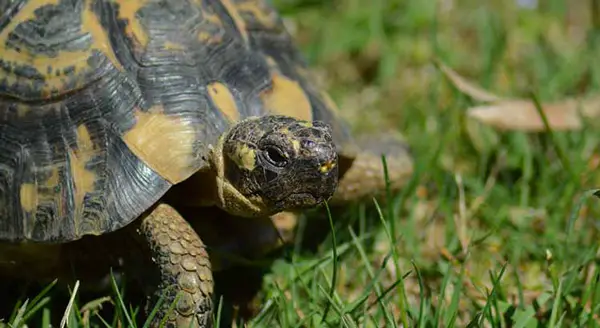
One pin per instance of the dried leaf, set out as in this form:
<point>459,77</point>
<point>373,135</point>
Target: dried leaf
<point>469,88</point>
<point>521,115</point>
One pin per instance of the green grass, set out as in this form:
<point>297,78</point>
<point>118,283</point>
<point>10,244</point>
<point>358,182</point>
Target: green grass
<point>496,229</point>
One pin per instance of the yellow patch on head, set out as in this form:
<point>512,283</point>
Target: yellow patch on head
<point>134,29</point>
<point>224,100</point>
<point>286,97</point>
<point>163,142</point>
<point>327,167</point>
<point>296,145</point>
<point>245,157</point>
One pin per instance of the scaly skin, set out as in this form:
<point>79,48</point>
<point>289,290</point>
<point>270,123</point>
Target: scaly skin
<point>185,269</point>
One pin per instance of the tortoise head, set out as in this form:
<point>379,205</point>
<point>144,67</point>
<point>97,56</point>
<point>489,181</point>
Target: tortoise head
<point>273,163</point>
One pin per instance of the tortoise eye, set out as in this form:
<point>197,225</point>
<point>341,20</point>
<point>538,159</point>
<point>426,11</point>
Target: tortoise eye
<point>276,156</point>
<point>307,143</point>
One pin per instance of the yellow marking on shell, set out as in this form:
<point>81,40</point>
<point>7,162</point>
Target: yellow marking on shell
<point>78,60</point>
<point>53,180</point>
<point>84,140</point>
<point>211,19</point>
<point>134,29</point>
<point>83,179</point>
<point>23,110</point>
<point>205,37</point>
<point>85,145</point>
<point>32,194</point>
<point>327,167</point>
<point>224,100</point>
<point>169,45</point>
<point>239,22</point>
<point>272,63</point>
<point>209,38</point>
<point>245,157</point>
<point>29,197</point>
<point>165,143</point>
<point>265,17</point>
<point>286,97</point>
<point>91,24</point>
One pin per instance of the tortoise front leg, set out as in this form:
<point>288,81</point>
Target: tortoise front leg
<point>185,271</point>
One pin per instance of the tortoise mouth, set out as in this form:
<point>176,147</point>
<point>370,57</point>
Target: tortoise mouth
<point>301,200</point>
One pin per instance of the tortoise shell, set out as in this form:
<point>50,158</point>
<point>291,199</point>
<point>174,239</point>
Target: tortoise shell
<point>105,104</point>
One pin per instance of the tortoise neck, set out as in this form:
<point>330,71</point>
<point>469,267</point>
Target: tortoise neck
<point>227,197</point>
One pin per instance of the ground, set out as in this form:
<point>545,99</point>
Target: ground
<point>497,228</point>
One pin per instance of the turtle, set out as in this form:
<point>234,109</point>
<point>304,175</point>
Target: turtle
<point>115,115</point>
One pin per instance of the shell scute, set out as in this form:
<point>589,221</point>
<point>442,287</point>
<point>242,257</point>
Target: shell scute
<point>53,47</point>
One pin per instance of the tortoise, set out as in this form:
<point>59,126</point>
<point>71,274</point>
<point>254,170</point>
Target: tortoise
<point>115,113</point>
